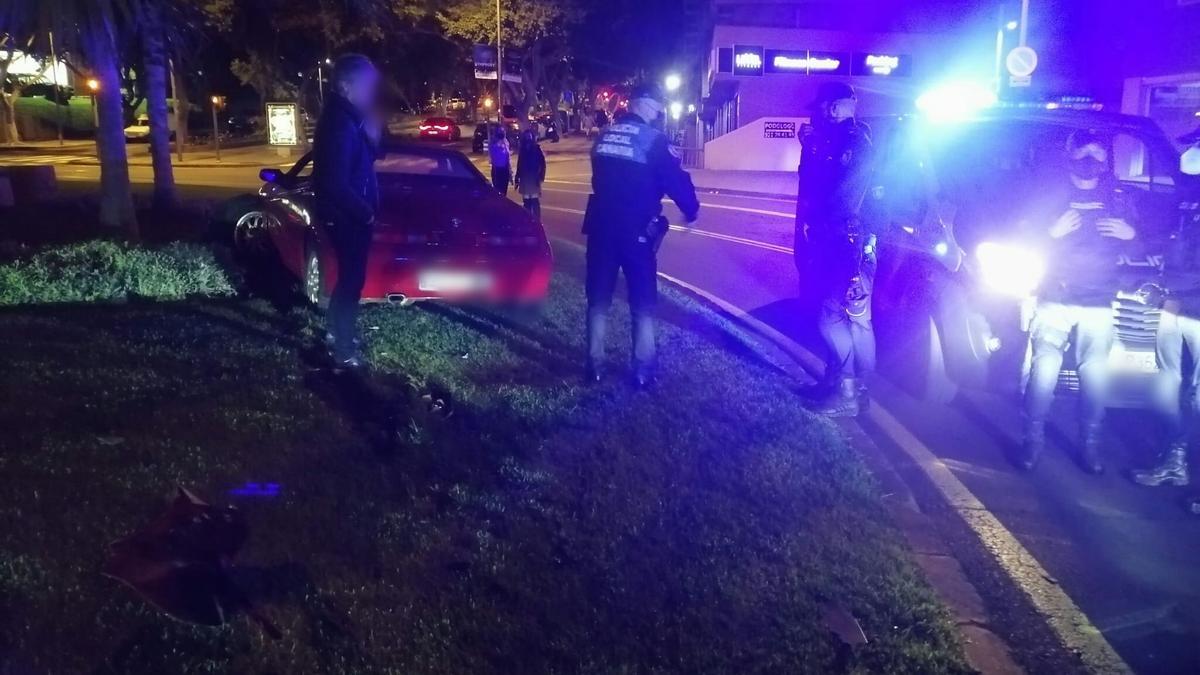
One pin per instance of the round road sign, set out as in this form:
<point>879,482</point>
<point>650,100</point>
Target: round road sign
<point>1021,61</point>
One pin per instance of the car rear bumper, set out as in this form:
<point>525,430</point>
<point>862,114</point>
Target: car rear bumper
<point>516,277</point>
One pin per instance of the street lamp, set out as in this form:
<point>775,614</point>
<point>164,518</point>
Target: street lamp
<point>676,110</point>
<point>672,81</point>
<point>217,102</point>
<point>93,86</point>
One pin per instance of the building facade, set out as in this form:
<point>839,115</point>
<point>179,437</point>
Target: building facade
<point>767,58</point>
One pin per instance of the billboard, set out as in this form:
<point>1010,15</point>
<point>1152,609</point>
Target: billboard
<point>485,63</point>
<point>283,124</point>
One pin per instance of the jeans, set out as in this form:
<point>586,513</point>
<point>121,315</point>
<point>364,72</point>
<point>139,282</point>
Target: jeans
<point>606,256</point>
<point>1049,333</point>
<point>534,206</point>
<point>501,177</point>
<point>351,243</point>
<point>842,277</point>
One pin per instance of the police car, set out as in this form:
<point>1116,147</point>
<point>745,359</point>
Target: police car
<point>955,287</point>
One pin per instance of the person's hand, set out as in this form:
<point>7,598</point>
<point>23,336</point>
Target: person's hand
<point>1066,224</point>
<point>806,132</point>
<point>1116,228</point>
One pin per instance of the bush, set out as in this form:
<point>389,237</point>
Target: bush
<point>101,270</point>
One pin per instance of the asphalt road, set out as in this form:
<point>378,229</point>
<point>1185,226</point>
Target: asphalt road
<point>1128,556</point>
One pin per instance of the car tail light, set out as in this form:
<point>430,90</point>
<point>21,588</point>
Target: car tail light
<point>425,127</point>
<point>442,127</point>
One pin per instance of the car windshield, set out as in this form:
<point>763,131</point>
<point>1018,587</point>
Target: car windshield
<point>398,166</point>
<point>989,176</point>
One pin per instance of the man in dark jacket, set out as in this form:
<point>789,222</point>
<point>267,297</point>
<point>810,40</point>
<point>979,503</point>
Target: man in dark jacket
<point>834,250</point>
<point>1091,230</point>
<point>632,168</point>
<point>346,192</point>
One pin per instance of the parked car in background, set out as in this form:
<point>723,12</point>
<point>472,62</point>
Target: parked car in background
<point>441,233</point>
<point>439,128</point>
<point>140,129</point>
<point>243,125</point>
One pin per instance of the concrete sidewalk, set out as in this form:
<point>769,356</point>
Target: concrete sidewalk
<point>781,184</point>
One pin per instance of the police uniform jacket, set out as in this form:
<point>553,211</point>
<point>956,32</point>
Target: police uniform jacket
<point>632,169</point>
<point>835,174</point>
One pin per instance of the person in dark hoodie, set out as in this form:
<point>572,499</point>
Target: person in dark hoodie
<point>531,172</point>
<point>346,193</point>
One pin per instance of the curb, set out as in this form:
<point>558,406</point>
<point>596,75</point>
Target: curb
<point>744,193</point>
<point>185,165</point>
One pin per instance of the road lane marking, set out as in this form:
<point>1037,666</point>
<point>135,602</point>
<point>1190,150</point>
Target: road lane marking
<point>701,233</point>
<point>703,204</point>
<point>1072,627</point>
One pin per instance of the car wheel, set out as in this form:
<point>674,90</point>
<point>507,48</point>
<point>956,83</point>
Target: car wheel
<point>250,232</point>
<point>314,280</point>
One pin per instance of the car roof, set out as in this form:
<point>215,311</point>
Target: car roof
<point>1044,114</point>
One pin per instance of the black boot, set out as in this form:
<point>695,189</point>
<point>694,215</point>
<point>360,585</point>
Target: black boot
<point>1032,444</point>
<point>1171,470</point>
<point>842,402</point>
<point>1089,451</point>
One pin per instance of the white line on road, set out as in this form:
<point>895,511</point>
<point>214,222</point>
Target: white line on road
<point>703,204</point>
<point>701,233</point>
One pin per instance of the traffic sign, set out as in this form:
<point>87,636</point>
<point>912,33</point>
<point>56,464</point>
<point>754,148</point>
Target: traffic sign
<point>1021,61</point>
<point>1014,81</point>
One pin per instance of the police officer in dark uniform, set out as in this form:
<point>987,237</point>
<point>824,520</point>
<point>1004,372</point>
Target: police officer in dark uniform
<point>1181,326</point>
<point>632,168</point>
<point>834,251</point>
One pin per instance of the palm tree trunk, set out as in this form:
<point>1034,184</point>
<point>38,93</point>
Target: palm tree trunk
<point>154,60</point>
<point>116,197</point>
<point>8,102</point>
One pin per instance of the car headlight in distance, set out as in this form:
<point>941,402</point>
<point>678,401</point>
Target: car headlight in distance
<point>1009,270</point>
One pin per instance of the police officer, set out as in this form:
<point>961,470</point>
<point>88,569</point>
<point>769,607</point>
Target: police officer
<point>1091,227</point>
<point>632,168</point>
<point>834,252</point>
<point>1181,327</point>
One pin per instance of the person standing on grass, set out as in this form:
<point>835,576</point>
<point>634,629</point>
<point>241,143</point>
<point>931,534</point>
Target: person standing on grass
<point>501,156</point>
<point>531,172</point>
<point>346,193</point>
<point>633,167</point>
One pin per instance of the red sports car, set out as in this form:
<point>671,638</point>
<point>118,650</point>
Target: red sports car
<point>440,128</point>
<point>442,233</point>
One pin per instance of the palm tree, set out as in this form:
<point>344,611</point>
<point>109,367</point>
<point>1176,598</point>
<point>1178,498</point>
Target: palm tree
<point>89,28</point>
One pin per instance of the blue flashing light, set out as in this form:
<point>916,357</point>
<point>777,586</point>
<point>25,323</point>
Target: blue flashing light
<point>941,248</point>
<point>954,101</point>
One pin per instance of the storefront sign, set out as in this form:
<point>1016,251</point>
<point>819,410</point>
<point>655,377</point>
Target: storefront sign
<point>882,64</point>
<point>779,129</point>
<point>282,124</point>
<point>806,62</point>
<point>747,60</point>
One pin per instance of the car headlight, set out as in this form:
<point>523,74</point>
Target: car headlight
<point>1009,270</point>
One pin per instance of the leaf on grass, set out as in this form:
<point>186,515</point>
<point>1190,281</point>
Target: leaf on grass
<point>842,624</point>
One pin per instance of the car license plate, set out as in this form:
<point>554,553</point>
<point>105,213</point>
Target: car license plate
<point>453,281</point>
<point>1125,361</point>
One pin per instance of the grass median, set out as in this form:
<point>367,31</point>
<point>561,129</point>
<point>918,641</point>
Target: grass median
<point>469,507</point>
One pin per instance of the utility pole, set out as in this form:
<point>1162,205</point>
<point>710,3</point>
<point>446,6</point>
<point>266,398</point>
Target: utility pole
<point>499,74</point>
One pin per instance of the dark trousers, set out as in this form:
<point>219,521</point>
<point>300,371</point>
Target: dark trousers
<point>501,177</point>
<point>351,244</point>
<point>842,275</point>
<point>606,256</point>
<point>534,206</point>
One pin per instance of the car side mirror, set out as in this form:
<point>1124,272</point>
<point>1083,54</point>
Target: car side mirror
<point>270,175</point>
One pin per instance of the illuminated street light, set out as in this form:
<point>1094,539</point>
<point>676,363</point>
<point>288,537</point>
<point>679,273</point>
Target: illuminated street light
<point>676,110</point>
<point>488,102</point>
<point>93,84</point>
<point>691,107</point>
<point>672,81</point>
<point>1011,25</point>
